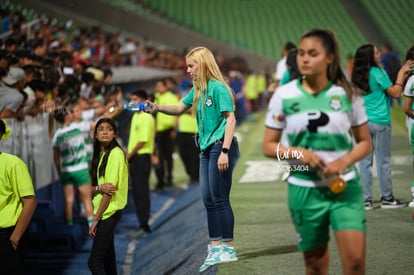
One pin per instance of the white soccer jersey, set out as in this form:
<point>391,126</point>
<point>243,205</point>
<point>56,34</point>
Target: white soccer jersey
<point>71,143</point>
<point>409,92</point>
<point>85,127</point>
<point>409,87</point>
<point>321,123</point>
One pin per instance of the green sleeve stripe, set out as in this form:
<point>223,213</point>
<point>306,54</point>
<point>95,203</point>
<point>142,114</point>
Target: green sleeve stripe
<point>325,103</point>
<point>72,151</point>
<point>321,141</point>
<point>75,161</point>
<point>72,133</point>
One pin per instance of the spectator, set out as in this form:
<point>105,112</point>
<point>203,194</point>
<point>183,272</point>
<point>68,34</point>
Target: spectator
<point>377,89</point>
<point>236,83</point>
<point>7,21</point>
<point>391,63</point>
<point>11,97</point>
<point>11,45</point>
<point>88,83</point>
<point>36,93</point>
<point>251,91</point>
<point>39,49</point>
<point>107,87</point>
<point>172,86</point>
<point>3,63</point>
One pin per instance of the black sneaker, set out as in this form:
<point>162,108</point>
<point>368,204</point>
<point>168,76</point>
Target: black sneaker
<point>146,229</point>
<point>369,205</point>
<point>392,203</point>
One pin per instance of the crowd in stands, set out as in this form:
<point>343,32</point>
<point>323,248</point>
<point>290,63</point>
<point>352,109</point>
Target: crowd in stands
<point>65,71</point>
<point>64,64</point>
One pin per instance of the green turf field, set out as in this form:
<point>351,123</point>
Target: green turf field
<point>264,236</point>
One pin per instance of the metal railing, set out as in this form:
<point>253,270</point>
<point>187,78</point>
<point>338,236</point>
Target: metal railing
<point>30,140</point>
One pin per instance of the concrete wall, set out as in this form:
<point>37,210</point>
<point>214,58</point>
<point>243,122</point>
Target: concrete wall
<point>95,12</point>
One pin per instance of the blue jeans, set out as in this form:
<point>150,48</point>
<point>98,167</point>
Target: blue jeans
<point>381,142</point>
<point>215,189</point>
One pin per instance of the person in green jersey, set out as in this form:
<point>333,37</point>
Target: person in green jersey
<point>409,111</point>
<point>318,112</point>
<point>211,99</point>
<point>70,158</point>
<point>17,205</point>
<point>373,80</point>
<point>140,148</point>
<point>109,165</point>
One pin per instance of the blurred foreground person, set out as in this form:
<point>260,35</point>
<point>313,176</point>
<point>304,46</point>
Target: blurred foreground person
<point>319,112</point>
<point>17,205</point>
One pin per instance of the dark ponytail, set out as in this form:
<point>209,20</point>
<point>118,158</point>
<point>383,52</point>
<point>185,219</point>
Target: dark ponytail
<point>97,150</point>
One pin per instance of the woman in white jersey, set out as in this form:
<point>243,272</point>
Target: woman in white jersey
<point>409,111</point>
<point>318,112</point>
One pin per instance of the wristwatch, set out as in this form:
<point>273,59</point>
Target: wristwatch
<point>225,150</point>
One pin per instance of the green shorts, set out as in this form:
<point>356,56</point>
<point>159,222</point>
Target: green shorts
<point>77,178</point>
<point>314,210</point>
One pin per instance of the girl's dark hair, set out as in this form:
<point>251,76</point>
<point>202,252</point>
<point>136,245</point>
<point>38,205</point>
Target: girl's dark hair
<point>363,61</point>
<point>330,44</point>
<point>97,150</point>
<point>140,93</point>
<point>59,113</point>
<point>292,64</point>
<point>410,54</point>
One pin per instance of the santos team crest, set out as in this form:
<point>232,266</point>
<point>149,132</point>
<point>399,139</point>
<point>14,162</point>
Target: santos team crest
<point>335,103</point>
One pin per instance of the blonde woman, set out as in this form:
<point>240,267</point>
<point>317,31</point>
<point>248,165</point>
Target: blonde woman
<point>211,99</point>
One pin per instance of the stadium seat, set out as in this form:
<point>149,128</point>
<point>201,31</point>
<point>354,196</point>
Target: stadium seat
<point>394,19</point>
<point>262,26</point>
